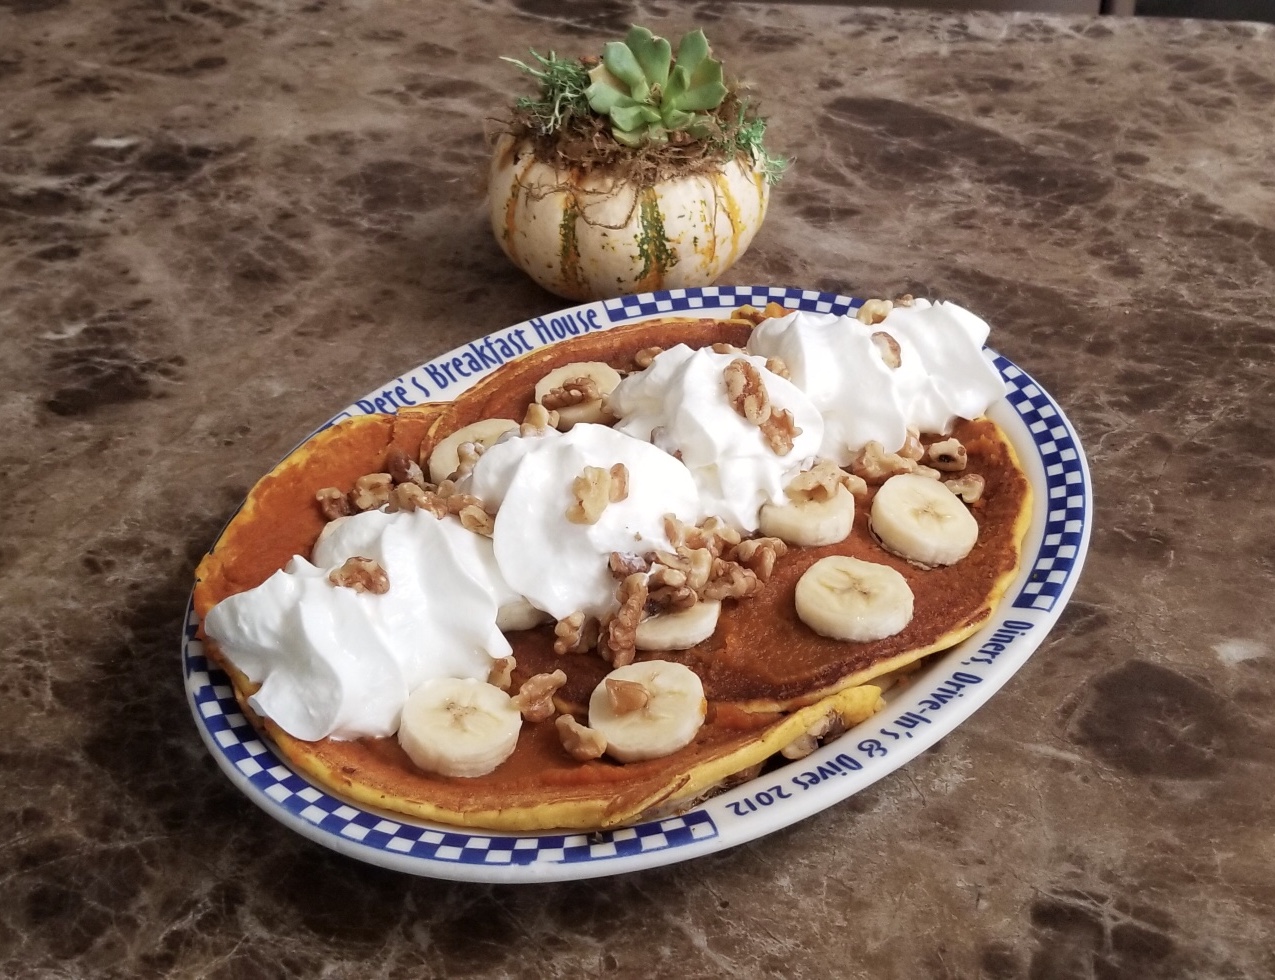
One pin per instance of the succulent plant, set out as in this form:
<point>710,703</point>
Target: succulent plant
<point>648,94</point>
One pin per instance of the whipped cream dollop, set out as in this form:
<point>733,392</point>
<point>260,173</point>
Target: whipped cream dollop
<point>335,662</point>
<point>559,565</point>
<point>942,374</point>
<point>680,404</point>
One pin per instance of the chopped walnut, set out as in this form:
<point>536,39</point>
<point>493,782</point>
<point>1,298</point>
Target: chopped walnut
<point>873,311</point>
<point>759,555</point>
<point>474,518</point>
<point>948,455</point>
<point>619,642</point>
<point>645,356</point>
<point>904,300</point>
<point>714,534</point>
<point>535,698</point>
<point>626,696</point>
<point>619,489</point>
<point>912,447</point>
<point>467,454</point>
<point>889,349</point>
<point>592,492</point>
<point>574,391</point>
<point>730,581</point>
<point>773,311</point>
<point>875,465</point>
<point>575,634</point>
<point>371,491</point>
<point>361,575</point>
<point>746,391</point>
<point>623,564</point>
<point>582,743</point>
<point>402,468</point>
<point>664,577</point>
<point>538,420</point>
<point>927,471</point>
<point>968,487</point>
<point>780,431</point>
<point>695,563</point>
<point>775,366</point>
<point>409,497</point>
<point>727,349</point>
<point>501,674</point>
<point>819,483</point>
<point>333,504</point>
<point>670,598</point>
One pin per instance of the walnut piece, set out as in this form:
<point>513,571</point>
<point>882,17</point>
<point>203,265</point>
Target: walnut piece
<point>746,391</point>
<point>619,489</point>
<point>535,698</point>
<point>592,492</point>
<point>780,431</point>
<point>575,634</point>
<point>402,468</point>
<point>875,465</point>
<point>371,491</point>
<point>361,575</point>
<point>775,366</point>
<point>618,643</point>
<point>912,447</point>
<point>538,420</point>
<point>773,311</point>
<point>948,455</point>
<point>623,564</point>
<point>873,311</point>
<point>759,555</point>
<point>573,391</point>
<point>968,487</point>
<point>730,580</point>
<point>645,356</point>
<point>474,518</point>
<point>819,483</point>
<point>467,454</point>
<point>333,504</point>
<point>888,348</point>
<point>905,300</point>
<point>626,696</point>
<point>582,743</point>
<point>501,674</point>
<point>720,348</point>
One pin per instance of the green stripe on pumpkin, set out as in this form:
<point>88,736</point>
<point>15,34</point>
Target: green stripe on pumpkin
<point>569,251</point>
<point>652,242</point>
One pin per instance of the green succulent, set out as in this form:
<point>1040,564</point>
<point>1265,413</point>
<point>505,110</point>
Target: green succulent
<point>648,94</point>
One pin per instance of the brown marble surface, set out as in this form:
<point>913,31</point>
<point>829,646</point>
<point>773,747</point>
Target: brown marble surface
<point>220,220</point>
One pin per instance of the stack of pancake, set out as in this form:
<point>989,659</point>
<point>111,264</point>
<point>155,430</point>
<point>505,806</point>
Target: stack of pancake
<point>768,678</point>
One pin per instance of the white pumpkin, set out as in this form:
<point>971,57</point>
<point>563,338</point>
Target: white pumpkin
<point>593,237</point>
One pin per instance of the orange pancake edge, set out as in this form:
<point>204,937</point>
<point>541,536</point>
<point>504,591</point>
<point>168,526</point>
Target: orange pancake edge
<point>280,519</point>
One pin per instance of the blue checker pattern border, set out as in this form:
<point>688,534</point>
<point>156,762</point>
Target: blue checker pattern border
<point>242,747</point>
<point>690,300</point>
<point>1066,489</point>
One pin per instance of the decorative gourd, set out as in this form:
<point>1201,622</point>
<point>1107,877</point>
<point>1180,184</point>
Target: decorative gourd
<point>590,236</point>
<point>676,189</point>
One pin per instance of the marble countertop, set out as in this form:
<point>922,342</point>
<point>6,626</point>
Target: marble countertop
<point>221,220</point>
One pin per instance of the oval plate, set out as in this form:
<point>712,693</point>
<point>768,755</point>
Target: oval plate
<point>950,689</point>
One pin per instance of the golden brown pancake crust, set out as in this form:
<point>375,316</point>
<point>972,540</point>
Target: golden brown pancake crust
<point>760,667</point>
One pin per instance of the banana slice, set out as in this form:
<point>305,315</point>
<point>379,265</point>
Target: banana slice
<point>444,460</point>
<point>922,520</point>
<point>851,599</point>
<point>667,721</point>
<point>459,727</point>
<point>679,630</point>
<point>601,374</point>
<point>810,522</point>
<point>519,614</point>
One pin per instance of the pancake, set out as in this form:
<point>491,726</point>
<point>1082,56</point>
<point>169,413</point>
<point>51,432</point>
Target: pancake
<point>767,677</point>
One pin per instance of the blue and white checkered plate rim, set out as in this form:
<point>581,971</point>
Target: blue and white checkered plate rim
<point>945,693</point>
